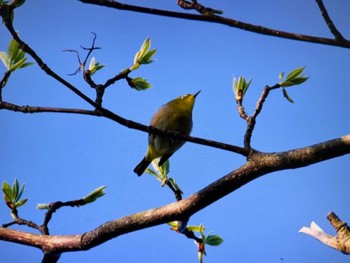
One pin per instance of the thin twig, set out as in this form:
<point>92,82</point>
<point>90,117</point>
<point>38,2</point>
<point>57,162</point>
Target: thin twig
<point>39,109</point>
<point>329,22</point>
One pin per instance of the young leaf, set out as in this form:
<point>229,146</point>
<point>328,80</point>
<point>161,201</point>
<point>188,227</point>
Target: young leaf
<point>43,206</point>
<point>5,59</point>
<point>139,84</point>
<point>195,228</point>
<point>20,203</point>
<point>94,66</point>
<point>213,240</point>
<point>295,77</point>
<point>7,190</point>
<point>240,87</point>
<point>294,73</point>
<point>94,195</point>
<point>144,55</point>
<point>285,94</point>
<point>18,64</point>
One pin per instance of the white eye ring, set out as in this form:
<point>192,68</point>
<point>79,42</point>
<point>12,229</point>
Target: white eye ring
<point>183,97</point>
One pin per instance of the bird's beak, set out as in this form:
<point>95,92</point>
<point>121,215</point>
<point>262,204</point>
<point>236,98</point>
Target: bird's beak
<point>195,95</point>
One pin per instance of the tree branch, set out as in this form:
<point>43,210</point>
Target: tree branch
<point>339,242</point>
<point>329,22</point>
<point>125,122</point>
<point>222,20</point>
<point>259,164</point>
<point>38,109</point>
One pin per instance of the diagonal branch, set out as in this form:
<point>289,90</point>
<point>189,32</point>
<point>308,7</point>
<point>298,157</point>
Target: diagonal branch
<point>329,22</point>
<point>258,165</point>
<point>222,20</point>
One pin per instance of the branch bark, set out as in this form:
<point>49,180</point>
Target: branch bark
<point>224,21</point>
<point>340,242</point>
<point>258,164</point>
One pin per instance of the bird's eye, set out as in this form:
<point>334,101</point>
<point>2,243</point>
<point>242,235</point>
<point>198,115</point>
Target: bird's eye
<point>183,97</point>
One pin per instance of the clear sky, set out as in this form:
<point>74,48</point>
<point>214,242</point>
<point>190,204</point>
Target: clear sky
<point>63,157</point>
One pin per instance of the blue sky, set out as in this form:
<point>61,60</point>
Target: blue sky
<point>63,157</point>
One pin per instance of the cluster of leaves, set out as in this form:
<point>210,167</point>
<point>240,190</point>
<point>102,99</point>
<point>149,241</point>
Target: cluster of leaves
<point>13,195</point>
<point>142,57</point>
<point>209,239</point>
<point>13,59</point>
<point>295,77</point>
<point>240,87</point>
<point>94,66</point>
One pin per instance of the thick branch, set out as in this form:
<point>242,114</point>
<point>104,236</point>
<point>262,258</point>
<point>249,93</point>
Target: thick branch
<point>222,20</point>
<point>259,164</point>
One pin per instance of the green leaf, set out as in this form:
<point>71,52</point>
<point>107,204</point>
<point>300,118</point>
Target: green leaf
<point>213,240</point>
<point>195,228</point>
<point>285,94</point>
<point>7,190</point>
<point>92,63</point>
<point>5,59</point>
<point>94,195</point>
<point>145,47</point>
<point>13,49</point>
<point>12,195</point>
<point>147,58</point>
<point>295,77</point>
<point>294,73</point>
<point>94,66</point>
<point>144,55</point>
<point>151,172</point>
<point>139,84</point>
<point>27,64</point>
<point>240,87</point>
<point>15,190</point>
<point>299,80</point>
<point>21,191</point>
<point>17,64</point>
<point>20,203</point>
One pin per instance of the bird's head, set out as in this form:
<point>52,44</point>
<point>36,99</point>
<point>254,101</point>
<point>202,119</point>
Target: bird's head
<point>186,101</point>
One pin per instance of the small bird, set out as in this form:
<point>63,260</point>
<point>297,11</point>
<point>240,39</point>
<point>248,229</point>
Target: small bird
<point>175,116</point>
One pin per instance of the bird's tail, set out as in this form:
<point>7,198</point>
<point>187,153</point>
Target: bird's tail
<point>141,167</point>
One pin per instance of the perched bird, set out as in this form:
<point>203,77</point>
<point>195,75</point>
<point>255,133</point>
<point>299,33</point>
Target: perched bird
<point>175,116</point>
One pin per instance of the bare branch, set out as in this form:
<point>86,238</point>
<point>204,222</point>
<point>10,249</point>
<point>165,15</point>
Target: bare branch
<point>222,20</point>
<point>127,123</point>
<point>339,242</point>
<point>329,22</point>
<point>39,109</point>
